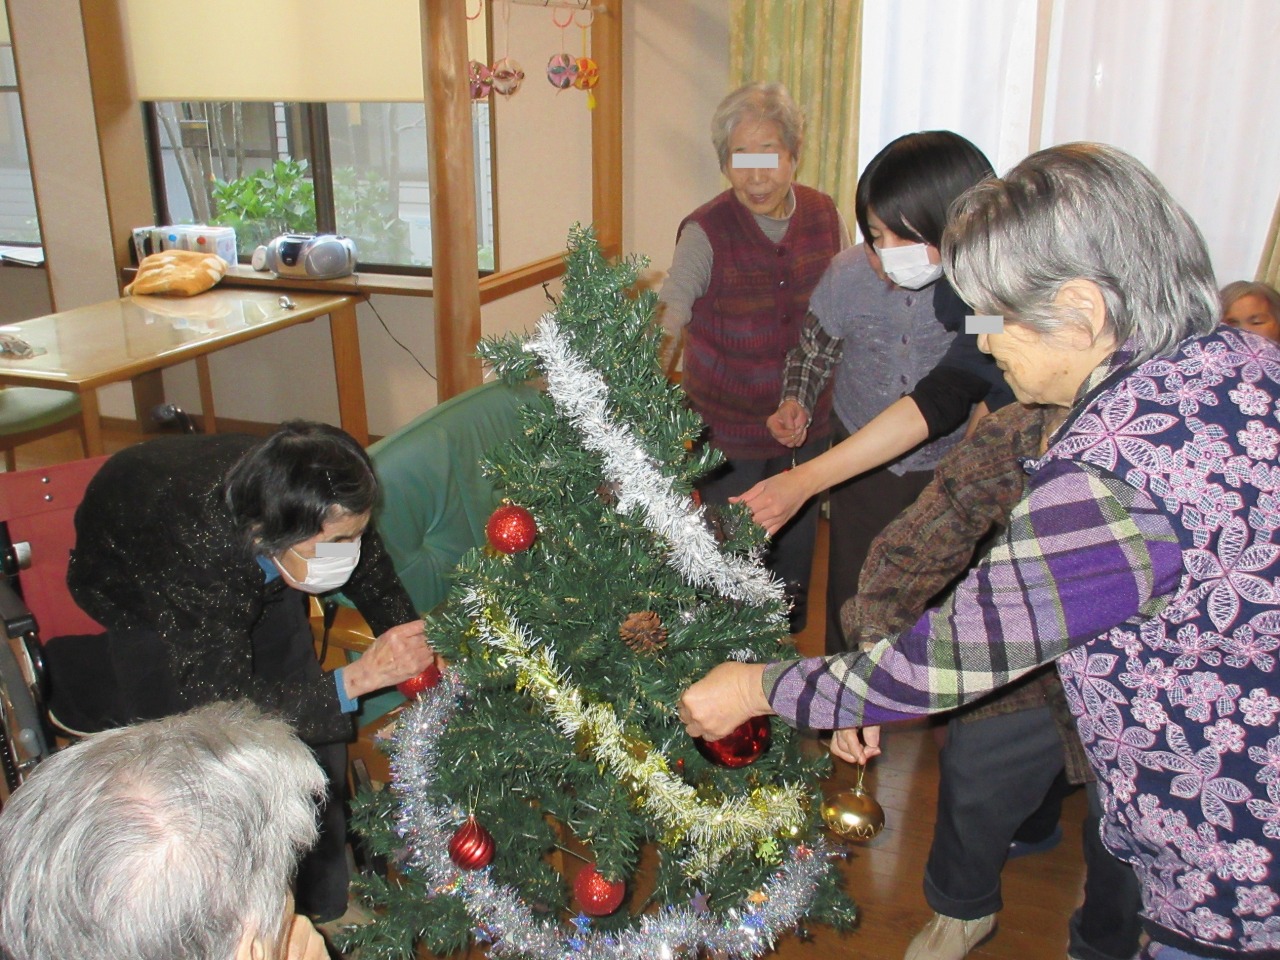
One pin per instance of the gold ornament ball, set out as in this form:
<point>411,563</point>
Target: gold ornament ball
<point>853,814</point>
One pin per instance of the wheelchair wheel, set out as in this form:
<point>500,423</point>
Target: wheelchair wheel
<point>22,729</point>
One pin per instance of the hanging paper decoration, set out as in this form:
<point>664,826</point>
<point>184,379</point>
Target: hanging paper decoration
<point>587,77</point>
<point>588,74</point>
<point>481,78</point>
<point>507,73</point>
<point>562,70</point>
<point>507,76</point>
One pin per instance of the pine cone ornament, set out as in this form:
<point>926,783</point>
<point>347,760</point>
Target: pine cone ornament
<point>643,632</point>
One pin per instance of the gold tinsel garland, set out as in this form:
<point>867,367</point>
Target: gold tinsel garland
<point>712,829</point>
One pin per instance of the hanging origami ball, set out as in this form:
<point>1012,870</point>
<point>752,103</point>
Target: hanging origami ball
<point>511,529</point>
<point>562,70</point>
<point>481,78</point>
<point>588,74</point>
<point>742,746</point>
<point>507,76</point>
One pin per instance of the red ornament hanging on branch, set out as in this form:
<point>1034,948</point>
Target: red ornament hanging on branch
<point>598,897</point>
<point>472,846</point>
<point>743,746</point>
<point>511,529</point>
<point>427,679</point>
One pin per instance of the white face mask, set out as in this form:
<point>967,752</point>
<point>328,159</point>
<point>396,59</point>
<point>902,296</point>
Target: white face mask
<point>325,573</point>
<point>909,266</point>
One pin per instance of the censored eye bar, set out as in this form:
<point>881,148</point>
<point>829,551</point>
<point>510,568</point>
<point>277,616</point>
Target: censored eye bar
<point>980,324</point>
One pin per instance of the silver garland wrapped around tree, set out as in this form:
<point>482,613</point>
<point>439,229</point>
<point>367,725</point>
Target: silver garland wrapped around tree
<point>531,781</point>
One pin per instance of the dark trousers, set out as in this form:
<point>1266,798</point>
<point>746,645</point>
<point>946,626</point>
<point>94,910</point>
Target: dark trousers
<point>790,556</point>
<point>860,509</point>
<point>995,773</point>
<point>283,650</point>
<point>1106,926</point>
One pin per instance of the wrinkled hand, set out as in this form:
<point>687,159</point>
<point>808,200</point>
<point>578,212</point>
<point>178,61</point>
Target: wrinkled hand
<point>789,424</point>
<point>847,745</point>
<point>723,700</point>
<point>400,653</point>
<point>304,943</point>
<point>775,500</point>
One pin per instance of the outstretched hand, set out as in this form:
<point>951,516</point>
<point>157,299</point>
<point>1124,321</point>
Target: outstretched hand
<point>847,745</point>
<point>400,653</point>
<point>775,500</point>
<point>726,698</point>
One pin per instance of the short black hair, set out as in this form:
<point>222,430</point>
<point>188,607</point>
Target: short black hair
<point>913,181</point>
<point>283,490</point>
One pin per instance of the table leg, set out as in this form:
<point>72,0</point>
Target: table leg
<point>148,393</point>
<point>209,418</point>
<point>92,424</point>
<point>349,373</point>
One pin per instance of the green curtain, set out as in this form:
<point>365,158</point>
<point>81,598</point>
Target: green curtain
<point>814,48</point>
<point>1269,268</point>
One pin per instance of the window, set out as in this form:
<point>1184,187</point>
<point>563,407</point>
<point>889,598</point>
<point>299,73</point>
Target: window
<point>358,169</point>
<point>18,221</point>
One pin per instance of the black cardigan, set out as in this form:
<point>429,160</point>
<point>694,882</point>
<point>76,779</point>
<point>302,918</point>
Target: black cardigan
<point>157,551</point>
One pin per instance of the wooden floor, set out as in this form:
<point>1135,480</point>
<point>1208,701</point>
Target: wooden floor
<point>884,875</point>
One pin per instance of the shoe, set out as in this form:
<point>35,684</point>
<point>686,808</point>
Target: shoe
<point>946,938</point>
<point>1022,848</point>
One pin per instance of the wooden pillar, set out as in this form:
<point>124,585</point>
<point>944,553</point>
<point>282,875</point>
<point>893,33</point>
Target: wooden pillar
<point>606,128</point>
<point>455,269</point>
<point>125,164</point>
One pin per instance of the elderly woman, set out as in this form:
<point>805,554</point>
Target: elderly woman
<point>1252,306</point>
<point>1142,556</point>
<point>173,838</point>
<point>197,554</point>
<point>744,266</point>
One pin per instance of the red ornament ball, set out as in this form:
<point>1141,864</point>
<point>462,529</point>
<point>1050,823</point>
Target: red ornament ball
<point>511,529</point>
<point>599,897</point>
<point>427,679</point>
<point>743,746</point>
<point>472,846</point>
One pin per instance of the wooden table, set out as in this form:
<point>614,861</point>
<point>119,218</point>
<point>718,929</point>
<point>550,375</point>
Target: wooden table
<point>118,340</point>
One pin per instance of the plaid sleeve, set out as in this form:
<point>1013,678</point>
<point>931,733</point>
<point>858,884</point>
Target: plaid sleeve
<point>810,362</point>
<point>1083,553</point>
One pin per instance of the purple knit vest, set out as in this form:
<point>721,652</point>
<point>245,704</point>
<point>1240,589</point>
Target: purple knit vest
<point>742,327</point>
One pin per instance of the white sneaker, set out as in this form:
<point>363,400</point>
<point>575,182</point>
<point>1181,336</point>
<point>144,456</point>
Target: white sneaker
<point>946,938</point>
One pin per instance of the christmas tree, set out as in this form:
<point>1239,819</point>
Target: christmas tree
<point>529,782</point>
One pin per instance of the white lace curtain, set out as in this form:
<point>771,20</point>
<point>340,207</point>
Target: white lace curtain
<point>1187,86</point>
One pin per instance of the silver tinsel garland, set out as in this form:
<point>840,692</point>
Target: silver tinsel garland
<point>582,396</point>
<point>427,822</point>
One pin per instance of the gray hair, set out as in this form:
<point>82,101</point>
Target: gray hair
<point>1083,211</point>
<point>171,838</point>
<point>758,103</point>
<point>1248,288</point>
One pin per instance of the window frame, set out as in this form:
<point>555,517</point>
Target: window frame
<point>315,115</point>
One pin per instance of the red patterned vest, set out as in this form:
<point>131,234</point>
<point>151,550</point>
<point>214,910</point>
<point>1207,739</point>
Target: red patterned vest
<point>742,327</point>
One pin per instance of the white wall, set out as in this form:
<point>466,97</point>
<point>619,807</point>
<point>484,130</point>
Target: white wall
<point>676,56</point>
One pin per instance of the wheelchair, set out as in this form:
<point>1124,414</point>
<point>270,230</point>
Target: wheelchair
<point>37,532</point>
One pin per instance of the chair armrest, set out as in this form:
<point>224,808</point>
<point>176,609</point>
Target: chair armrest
<point>349,630</point>
<point>14,614</point>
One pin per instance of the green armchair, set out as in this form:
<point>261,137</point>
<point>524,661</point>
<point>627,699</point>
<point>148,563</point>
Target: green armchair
<point>435,502</point>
